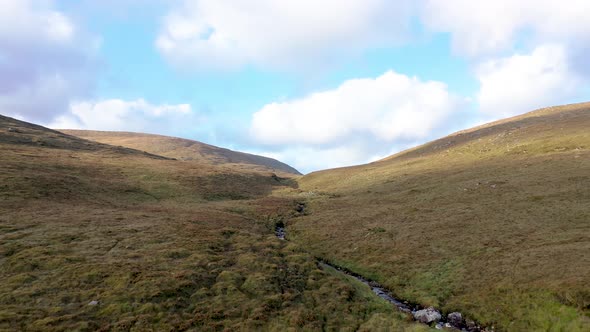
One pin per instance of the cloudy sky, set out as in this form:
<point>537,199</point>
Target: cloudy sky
<point>314,83</point>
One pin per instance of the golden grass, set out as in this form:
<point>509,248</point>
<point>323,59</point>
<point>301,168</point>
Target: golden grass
<point>493,222</point>
<point>187,150</point>
<point>162,245</point>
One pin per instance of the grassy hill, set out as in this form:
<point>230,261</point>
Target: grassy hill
<point>96,237</point>
<point>493,221</point>
<point>184,149</point>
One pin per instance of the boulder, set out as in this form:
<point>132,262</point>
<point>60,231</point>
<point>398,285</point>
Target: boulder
<point>455,318</point>
<point>427,315</point>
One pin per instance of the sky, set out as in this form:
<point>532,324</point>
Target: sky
<point>316,84</point>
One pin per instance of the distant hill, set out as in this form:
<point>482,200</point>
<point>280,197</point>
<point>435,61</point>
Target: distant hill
<point>493,221</point>
<point>13,131</point>
<point>183,149</point>
<point>101,238</point>
<point>41,162</point>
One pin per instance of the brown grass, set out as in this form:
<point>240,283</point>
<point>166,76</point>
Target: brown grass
<point>162,245</point>
<point>494,221</point>
<point>187,150</point>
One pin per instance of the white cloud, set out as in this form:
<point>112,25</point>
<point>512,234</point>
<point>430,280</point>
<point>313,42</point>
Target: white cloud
<point>389,107</point>
<point>23,20</point>
<point>521,83</point>
<point>46,60</point>
<point>480,27</point>
<point>229,33</point>
<point>310,158</point>
<point>226,33</point>
<point>137,116</point>
<point>554,35</point>
<point>355,122</point>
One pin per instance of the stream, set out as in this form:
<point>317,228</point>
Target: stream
<point>453,321</point>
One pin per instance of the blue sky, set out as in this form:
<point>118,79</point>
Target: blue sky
<point>316,84</point>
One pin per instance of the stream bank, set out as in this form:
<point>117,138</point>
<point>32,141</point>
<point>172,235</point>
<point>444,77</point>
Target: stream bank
<point>430,316</point>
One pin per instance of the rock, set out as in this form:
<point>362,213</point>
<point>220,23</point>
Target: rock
<point>455,318</point>
<point>300,207</point>
<point>93,303</point>
<point>280,232</point>
<point>12,130</point>
<point>427,315</point>
<point>471,326</point>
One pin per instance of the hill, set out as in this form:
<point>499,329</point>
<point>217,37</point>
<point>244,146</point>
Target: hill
<point>184,149</point>
<point>97,238</point>
<point>17,132</point>
<point>493,221</point>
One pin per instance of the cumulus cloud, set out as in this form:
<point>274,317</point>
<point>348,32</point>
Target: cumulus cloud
<point>520,83</point>
<point>391,106</point>
<point>45,60</point>
<point>480,27</point>
<point>360,119</point>
<point>229,33</point>
<point>308,158</point>
<point>137,116</point>
<point>547,43</point>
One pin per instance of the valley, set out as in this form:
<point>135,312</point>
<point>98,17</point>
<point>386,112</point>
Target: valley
<point>133,232</point>
<point>491,222</point>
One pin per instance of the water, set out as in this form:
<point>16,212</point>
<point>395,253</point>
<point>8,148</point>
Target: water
<point>280,232</point>
<point>383,293</point>
<point>378,290</point>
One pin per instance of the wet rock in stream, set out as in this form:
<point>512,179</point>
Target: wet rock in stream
<point>427,315</point>
<point>455,318</point>
<point>280,232</point>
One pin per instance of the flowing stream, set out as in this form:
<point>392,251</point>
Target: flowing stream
<point>453,321</point>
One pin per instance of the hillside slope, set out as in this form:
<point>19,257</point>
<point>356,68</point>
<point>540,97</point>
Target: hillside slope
<point>184,149</point>
<point>16,132</point>
<point>100,238</point>
<point>493,221</point>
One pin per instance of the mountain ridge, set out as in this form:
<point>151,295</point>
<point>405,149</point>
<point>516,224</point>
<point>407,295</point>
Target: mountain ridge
<point>14,131</point>
<point>182,149</point>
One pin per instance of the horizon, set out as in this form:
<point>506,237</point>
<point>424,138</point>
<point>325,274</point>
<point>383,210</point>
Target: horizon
<point>341,85</point>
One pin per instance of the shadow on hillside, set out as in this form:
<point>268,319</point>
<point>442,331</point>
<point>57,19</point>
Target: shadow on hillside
<point>233,186</point>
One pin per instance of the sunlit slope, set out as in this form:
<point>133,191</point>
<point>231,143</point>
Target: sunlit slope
<point>100,238</point>
<point>184,149</point>
<point>19,133</point>
<point>494,221</point>
<point>39,162</point>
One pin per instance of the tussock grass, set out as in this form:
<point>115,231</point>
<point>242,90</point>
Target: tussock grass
<point>159,244</point>
<point>494,221</point>
<point>187,150</point>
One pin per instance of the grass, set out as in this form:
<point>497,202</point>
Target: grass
<point>493,222</point>
<point>187,150</point>
<point>159,244</point>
